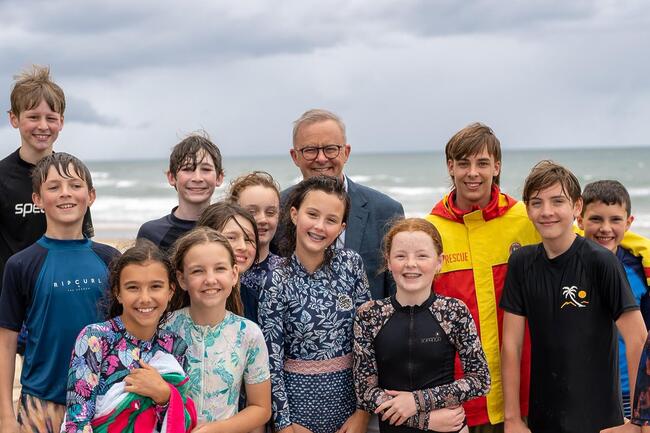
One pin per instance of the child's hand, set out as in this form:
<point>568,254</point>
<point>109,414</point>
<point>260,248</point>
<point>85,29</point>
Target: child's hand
<point>447,419</point>
<point>399,408</point>
<point>147,382</point>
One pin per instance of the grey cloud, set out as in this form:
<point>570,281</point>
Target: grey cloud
<point>110,37</point>
<point>80,110</point>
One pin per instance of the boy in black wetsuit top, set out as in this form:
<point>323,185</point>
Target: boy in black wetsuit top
<point>572,292</point>
<point>37,107</point>
<point>194,171</point>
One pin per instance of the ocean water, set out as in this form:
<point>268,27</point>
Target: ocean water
<point>132,192</point>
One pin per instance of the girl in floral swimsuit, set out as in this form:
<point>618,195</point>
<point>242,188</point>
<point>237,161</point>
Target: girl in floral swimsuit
<point>307,309</point>
<point>127,370</point>
<point>405,345</point>
<point>227,352</point>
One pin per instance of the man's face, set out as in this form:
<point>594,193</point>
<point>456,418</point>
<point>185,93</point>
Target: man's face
<point>319,135</point>
<point>472,177</point>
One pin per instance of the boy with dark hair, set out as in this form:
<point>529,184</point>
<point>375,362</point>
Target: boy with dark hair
<point>480,226</point>
<point>606,216</point>
<point>572,292</point>
<point>37,107</point>
<point>194,171</point>
<point>54,287</point>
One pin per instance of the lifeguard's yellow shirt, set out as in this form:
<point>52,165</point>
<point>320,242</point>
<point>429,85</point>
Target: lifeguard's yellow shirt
<point>476,247</point>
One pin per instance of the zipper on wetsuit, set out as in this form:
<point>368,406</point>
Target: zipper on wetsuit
<point>410,363</point>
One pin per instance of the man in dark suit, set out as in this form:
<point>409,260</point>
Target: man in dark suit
<point>320,148</point>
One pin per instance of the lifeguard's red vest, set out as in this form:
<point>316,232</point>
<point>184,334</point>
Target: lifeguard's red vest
<point>476,247</point>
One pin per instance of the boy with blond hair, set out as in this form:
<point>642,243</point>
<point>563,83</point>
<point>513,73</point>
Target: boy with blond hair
<point>53,287</point>
<point>571,292</point>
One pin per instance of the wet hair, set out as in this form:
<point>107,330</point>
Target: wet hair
<point>186,153</point>
<point>142,252</point>
<point>33,86</point>
<point>218,214</point>
<point>471,140</point>
<point>64,163</point>
<point>327,184</point>
<point>316,115</point>
<point>610,192</point>
<point>547,173</point>
<point>255,178</point>
<point>201,236</point>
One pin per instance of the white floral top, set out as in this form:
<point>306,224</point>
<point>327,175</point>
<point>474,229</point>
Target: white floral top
<point>219,359</point>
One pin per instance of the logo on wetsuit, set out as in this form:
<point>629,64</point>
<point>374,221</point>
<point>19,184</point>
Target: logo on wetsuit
<point>574,297</point>
<point>434,339</point>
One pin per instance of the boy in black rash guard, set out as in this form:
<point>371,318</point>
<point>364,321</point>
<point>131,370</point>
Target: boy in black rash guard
<point>37,107</point>
<point>194,171</point>
<point>405,345</point>
<point>572,292</point>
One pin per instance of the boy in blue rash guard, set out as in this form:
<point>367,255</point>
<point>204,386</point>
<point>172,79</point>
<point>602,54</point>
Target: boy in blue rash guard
<point>54,287</point>
<point>606,216</point>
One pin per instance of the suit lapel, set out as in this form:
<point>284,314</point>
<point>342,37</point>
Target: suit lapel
<point>357,218</point>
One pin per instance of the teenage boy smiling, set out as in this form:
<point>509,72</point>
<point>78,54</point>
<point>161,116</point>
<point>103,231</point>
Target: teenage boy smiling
<point>195,171</point>
<point>571,292</point>
<point>480,226</point>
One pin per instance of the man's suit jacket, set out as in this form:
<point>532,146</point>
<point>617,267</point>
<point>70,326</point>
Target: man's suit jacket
<point>371,213</point>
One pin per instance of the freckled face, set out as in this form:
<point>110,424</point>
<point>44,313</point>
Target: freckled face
<point>414,262</point>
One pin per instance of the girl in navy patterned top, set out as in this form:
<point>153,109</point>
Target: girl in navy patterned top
<point>405,345</point>
<point>259,194</point>
<point>307,309</point>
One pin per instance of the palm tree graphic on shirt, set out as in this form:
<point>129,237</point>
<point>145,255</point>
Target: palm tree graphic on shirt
<point>570,294</point>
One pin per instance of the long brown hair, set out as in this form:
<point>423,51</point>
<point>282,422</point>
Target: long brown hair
<point>143,251</point>
<point>198,236</point>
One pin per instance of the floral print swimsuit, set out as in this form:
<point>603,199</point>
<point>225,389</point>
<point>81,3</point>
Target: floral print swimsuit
<point>221,358</point>
<point>104,354</point>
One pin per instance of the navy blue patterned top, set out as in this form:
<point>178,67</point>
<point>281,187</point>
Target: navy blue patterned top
<point>310,317</point>
<point>252,283</point>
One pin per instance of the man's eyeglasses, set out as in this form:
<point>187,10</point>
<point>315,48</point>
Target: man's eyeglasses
<point>331,151</point>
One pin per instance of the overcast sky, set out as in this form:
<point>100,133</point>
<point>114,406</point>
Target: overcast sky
<point>404,75</point>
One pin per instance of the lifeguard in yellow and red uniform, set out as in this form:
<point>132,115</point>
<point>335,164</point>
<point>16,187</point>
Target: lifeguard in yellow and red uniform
<point>480,227</point>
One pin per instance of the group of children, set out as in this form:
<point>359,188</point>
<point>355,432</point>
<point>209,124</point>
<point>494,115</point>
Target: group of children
<point>201,327</point>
